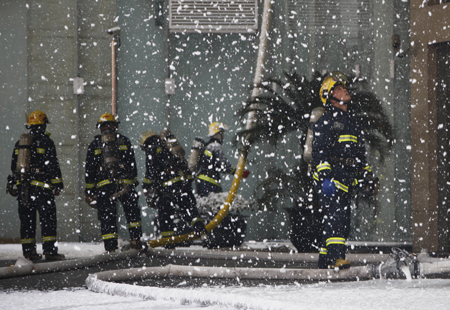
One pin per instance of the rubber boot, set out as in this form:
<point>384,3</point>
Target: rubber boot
<point>341,263</point>
<point>32,255</point>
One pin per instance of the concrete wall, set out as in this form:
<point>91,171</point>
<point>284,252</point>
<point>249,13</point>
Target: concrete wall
<point>47,44</point>
<point>14,102</point>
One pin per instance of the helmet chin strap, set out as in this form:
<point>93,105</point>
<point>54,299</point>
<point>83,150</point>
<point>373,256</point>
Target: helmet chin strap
<point>340,101</point>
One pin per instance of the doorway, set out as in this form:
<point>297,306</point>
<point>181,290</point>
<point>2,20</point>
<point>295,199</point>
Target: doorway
<point>443,143</point>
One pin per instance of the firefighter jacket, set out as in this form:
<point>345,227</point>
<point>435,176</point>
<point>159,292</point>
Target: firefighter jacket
<point>44,166</point>
<point>338,148</point>
<point>96,173</point>
<point>213,162</point>
<point>165,172</point>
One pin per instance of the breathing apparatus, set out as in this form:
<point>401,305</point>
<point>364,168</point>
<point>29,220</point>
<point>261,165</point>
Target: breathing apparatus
<point>23,168</point>
<point>307,152</point>
<point>109,145</point>
<point>172,144</point>
<point>196,150</point>
<point>147,140</point>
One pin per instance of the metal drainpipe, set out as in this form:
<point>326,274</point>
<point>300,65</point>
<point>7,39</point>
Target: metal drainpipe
<point>79,119</point>
<point>168,73</point>
<point>115,43</point>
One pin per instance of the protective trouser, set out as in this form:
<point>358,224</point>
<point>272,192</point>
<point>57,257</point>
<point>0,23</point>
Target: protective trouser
<point>107,213</point>
<point>336,226</point>
<point>41,200</point>
<point>168,204</point>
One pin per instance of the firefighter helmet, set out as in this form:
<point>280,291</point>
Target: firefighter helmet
<point>335,78</point>
<point>217,127</point>
<point>37,118</point>
<point>145,135</point>
<point>107,119</point>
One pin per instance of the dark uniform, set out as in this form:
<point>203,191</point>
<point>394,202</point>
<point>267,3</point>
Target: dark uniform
<point>212,163</point>
<point>339,154</point>
<point>109,188</point>
<point>171,180</point>
<point>44,179</point>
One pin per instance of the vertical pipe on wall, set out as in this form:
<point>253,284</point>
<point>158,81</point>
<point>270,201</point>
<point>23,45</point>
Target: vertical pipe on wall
<point>113,79</point>
<point>115,43</point>
<point>165,25</point>
<point>80,183</point>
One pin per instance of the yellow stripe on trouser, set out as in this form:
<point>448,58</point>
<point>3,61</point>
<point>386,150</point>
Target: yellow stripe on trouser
<point>208,179</point>
<point>110,236</point>
<point>49,238</point>
<point>134,224</point>
<point>167,234</point>
<point>28,241</point>
<point>335,240</point>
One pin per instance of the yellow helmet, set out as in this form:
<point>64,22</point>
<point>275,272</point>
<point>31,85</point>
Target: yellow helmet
<point>217,127</point>
<point>106,117</point>
<point>145,135</point>
<point>335,78</point>
<point>37,118</point>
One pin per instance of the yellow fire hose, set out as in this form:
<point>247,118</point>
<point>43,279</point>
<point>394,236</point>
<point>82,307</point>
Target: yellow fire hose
<point>245,148</point>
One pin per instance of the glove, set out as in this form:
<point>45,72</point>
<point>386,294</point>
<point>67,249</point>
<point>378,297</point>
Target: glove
<point>369,186</point>
<point>328,187</point>
<point>245,174</point>
<point>199,227</point>
<point>91,200</point>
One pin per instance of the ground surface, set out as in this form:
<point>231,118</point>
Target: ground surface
<point>67,289</point>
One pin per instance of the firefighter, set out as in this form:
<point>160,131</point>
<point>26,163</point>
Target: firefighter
<point>111,175</point>
<point>37,174</point>
<point>338,153</point>
<point>168,186</point>
<point>213,162</point>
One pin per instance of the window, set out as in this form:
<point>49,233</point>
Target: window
<point>213,16</point>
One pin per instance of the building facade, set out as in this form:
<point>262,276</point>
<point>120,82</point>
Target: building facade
<point>182,64</point>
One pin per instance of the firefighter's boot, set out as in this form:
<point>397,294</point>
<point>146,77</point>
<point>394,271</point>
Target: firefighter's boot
<point>54,256</point>
<point>33,256</point>
<point>137,244</point>
<point>341,263</point>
